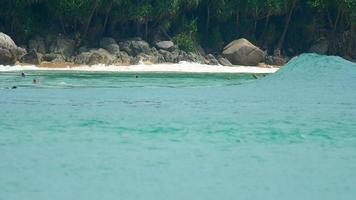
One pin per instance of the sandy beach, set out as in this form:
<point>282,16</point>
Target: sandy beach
<point>183,67</point>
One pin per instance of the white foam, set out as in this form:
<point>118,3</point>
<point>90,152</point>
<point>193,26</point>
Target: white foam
<point>183,67</point>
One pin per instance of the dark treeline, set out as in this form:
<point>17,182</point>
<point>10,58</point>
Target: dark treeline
<point>290,25</point>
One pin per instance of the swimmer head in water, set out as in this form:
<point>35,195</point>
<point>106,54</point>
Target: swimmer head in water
<point>35,81</point>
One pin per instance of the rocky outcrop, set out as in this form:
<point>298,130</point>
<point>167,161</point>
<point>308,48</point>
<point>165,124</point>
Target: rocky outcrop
<point>223,61</point>
<point>243,52</point>
<point>110,45</point>
<point>32,57</point>
<point>135,46</point>
<point>53,57</point>
<point>38,44</point>
<point>211,60</point>
<point>276,60</point>
<point>6,57</point>
<point>9,51</point>
<point>58,49</point>
<point>124,59</point>
<point>63,46</point>
<point>96,56</point>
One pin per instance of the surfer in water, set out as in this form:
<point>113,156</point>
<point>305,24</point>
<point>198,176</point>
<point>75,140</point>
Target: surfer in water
<point>23,74</point>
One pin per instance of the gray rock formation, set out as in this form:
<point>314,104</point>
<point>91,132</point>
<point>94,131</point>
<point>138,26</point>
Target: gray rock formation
<point>6,57</point>
<point>166,45</point>
<point>110,45</point>
<point>223,61</point>
<point>243,52</point>
<point>9,51</point>
<point>212,60</point>
<point>32,57</point>
<point>135,47</point>
<point>63,46</point>
<point>38,44</point>
<point>53,57</point>
<point>277,61</point>
<point>93,57</point>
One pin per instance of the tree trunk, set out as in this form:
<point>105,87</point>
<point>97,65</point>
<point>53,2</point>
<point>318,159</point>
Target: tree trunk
<point>237,21</point>
<point>146,29</point>
<point>62,25</point>
<point>207,26</point>
<point>265,28</point>
<point>106,19</point>
<point>337,19</point>
<point>96,4</point>
<point>286,26</point>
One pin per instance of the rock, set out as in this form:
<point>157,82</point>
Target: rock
<point>83,49</point>
<point>243,52</point>
<point>38,44</point>
<point>169,57</point>
<point>223,61</point>
<point>200,50</point>
<point>166,45</point>
<point>32,57</point>
<point>145,59</point>
<point>96,56</point>
<point>276,60</point>
<point>191,57</point>
<point>320,47</point>
<point>211,60</point>
<point>159,57</point>
<point>6,42</point>
<point>62,45</point>
<point>135,47</point>
<point>123,58</point>
<point>9,51</point>
<point>110,45</point>
<point>6,57</point>
<point>55,58</point>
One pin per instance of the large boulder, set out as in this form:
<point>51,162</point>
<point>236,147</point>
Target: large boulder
<point>166,45</point>
<point>62,45</point>
<point>6,57</point>
<point>243,52</point>
<point>94,57</point>
<point>135,47</point>
<point>32,58</point>
<point>110,45</point>
<point>9,51</point>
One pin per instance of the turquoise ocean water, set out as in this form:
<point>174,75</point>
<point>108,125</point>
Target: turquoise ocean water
<point>85,135</point>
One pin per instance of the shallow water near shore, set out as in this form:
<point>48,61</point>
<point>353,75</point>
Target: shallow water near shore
<point>86,135</point>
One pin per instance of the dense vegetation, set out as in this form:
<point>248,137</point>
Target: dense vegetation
<point>290,25</point>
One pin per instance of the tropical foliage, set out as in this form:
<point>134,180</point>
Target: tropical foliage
<point>269,23</point>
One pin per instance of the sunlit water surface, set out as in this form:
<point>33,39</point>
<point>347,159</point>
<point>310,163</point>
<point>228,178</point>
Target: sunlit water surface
<point>86,135</point>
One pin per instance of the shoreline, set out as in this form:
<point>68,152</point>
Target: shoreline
<point>182,67</point>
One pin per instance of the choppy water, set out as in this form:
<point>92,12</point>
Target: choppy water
<point>290,135</point>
